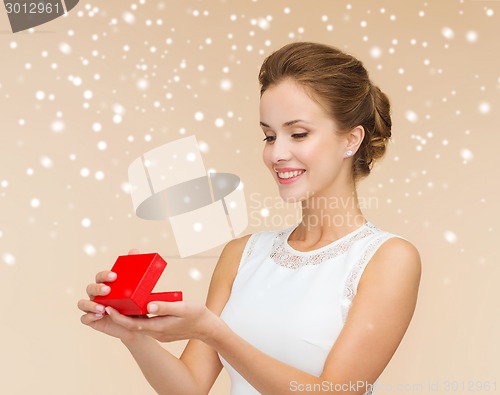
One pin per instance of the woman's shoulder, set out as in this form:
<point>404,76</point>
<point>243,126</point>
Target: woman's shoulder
<point>231,255</point>
<point>393,243</point>
<point>396,258</point>
<point>236,246</point>
<point>399,248</point>
<point>399,244</point>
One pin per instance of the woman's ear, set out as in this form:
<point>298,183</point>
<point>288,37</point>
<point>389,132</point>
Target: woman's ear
<point>354,139</point>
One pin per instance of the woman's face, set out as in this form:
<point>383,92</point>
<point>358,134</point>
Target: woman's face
<point>302,149</point>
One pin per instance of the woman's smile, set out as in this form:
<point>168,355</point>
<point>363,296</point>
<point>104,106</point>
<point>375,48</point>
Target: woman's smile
<point>288,175</point>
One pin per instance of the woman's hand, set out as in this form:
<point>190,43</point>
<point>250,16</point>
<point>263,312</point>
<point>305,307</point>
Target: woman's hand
<point>172,321</point>
<point>95,313</point>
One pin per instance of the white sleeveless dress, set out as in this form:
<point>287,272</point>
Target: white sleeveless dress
<point>292,304</point>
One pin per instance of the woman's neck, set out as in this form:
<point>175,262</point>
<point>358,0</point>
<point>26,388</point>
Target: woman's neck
<point>329,217</point>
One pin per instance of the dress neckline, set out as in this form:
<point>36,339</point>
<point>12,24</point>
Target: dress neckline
<point>325,247</point>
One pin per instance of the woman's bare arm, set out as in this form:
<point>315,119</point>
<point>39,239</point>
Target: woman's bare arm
<point>197,369</point>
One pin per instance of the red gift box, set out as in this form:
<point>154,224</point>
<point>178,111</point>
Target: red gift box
<point>131,291</point>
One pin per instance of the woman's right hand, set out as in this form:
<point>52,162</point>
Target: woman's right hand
<point>95,315</point>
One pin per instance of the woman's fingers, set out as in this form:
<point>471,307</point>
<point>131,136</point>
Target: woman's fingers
<point>159,328</point>
<point>87,306</point>
<point>97,290</point>
<point>105,276</point>
<point>133,324</point>
<point>94,311</point>
<point>167,308</point>
<point>88,318</point>
<point>101,289</point>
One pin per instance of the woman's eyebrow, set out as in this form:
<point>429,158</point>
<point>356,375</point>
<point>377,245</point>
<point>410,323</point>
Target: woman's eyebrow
<point>286,124</point>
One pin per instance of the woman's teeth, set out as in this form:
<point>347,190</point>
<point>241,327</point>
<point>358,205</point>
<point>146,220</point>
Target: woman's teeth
<point>290,174</point>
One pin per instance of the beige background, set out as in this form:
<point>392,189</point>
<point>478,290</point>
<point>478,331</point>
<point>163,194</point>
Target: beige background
<point>65,212</point>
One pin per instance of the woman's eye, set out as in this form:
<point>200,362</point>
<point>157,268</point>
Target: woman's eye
<point>299,135</point>
<point>269,139</point>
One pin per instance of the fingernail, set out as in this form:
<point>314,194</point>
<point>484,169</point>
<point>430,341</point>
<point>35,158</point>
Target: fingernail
<point>105,288</point>
<point>108,310</point>
<point>98,315</point>
<point>111,275</point>
<point>153,308</point>
<point>99,308</point>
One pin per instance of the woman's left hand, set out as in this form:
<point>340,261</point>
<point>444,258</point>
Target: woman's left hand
<point>172,321</point>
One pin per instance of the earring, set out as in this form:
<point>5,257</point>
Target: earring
<point>349,153</point>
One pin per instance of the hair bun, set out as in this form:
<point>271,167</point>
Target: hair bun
<point>377,133</point>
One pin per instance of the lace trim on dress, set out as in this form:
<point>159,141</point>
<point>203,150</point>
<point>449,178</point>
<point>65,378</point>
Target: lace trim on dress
<point>355,274</point>
<point>252,241</point>
<point>283,257</point>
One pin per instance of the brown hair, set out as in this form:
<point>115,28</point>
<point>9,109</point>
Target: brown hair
<point>341,85</point>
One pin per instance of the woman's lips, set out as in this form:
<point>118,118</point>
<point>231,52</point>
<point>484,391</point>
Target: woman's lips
<point>289,179</point>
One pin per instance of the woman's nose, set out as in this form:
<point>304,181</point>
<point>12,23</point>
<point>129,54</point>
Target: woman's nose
<point>280,150</point>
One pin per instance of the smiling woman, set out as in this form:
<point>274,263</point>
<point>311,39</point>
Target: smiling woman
<point>297,309</point>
